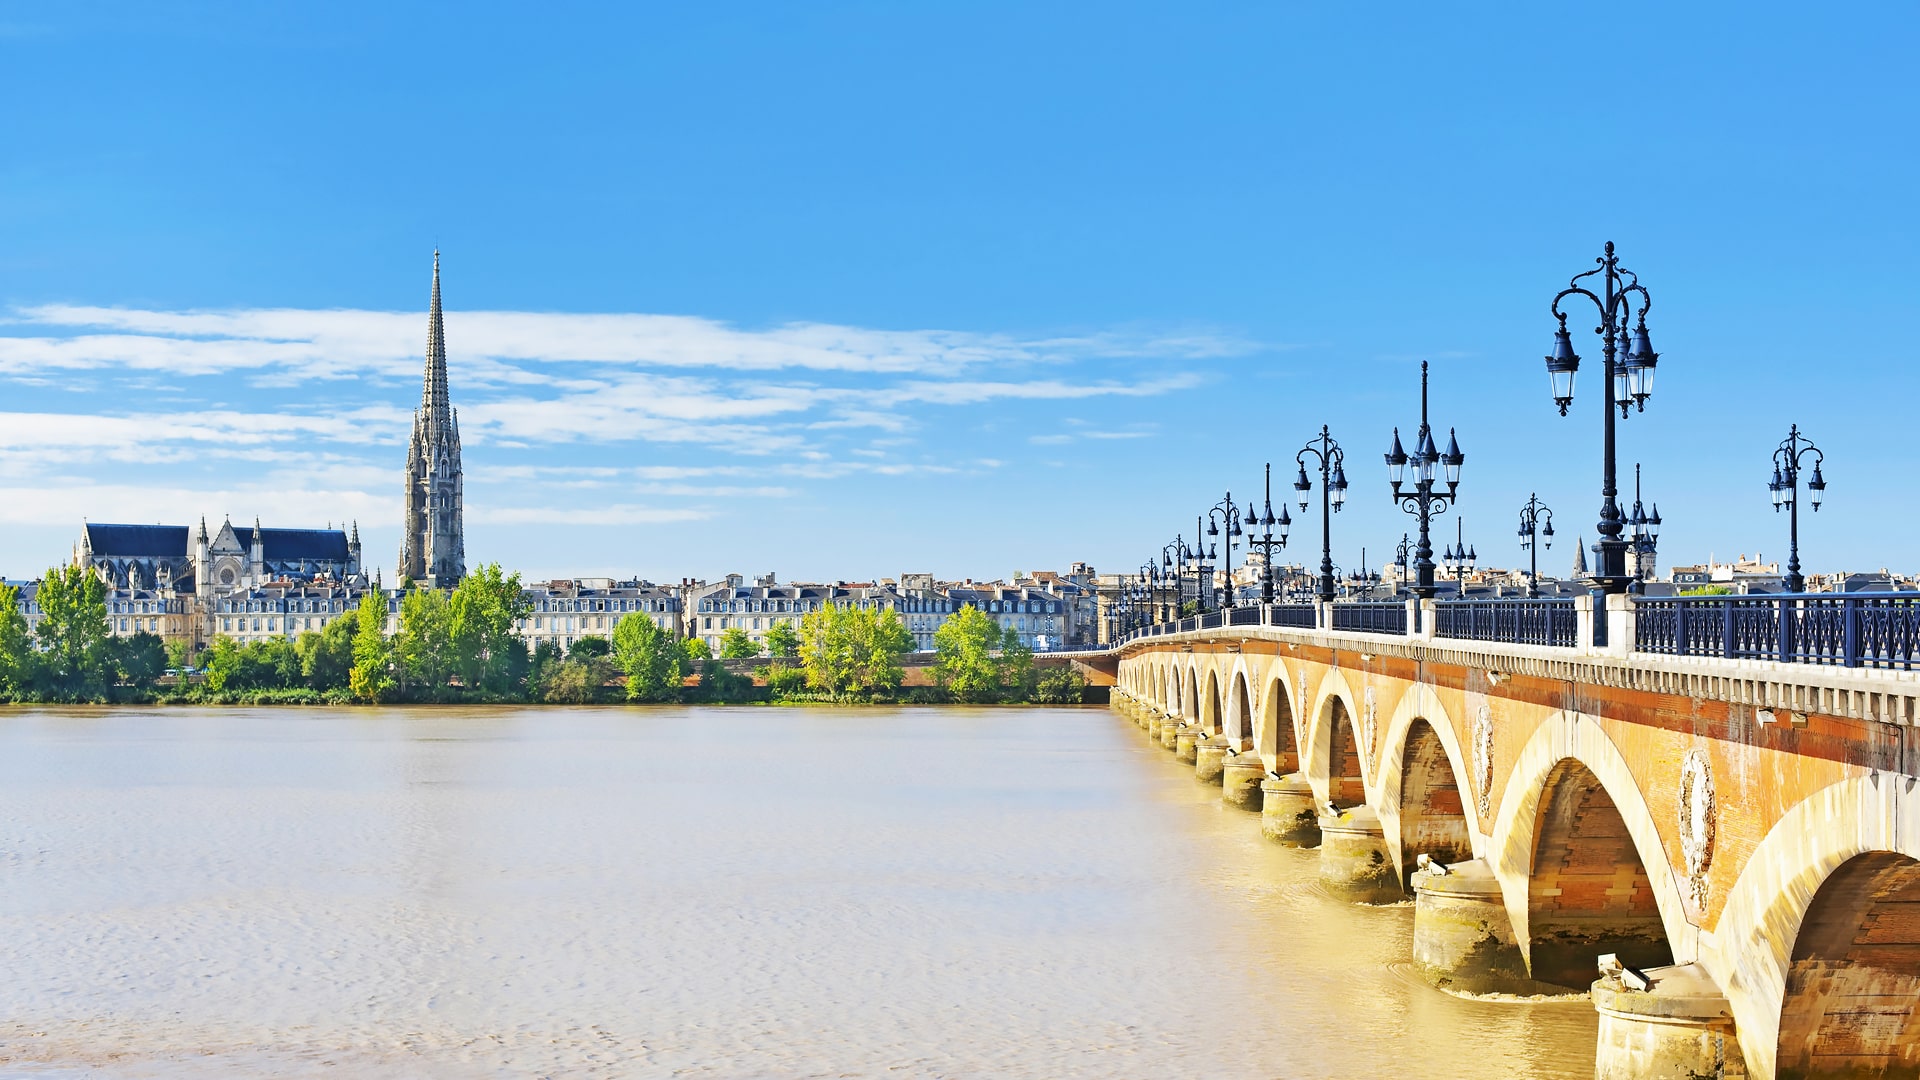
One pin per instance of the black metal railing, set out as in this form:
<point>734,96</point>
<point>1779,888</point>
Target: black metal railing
<point>1244,616</point>
<point>1371,617</point>
<point>1211,619</point>
<point>1862,630</point>
<point>1512,622</point>
<point>1297,616</point>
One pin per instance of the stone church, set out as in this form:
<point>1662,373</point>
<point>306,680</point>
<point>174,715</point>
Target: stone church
<point>433,547</point>
<point>173,579</point>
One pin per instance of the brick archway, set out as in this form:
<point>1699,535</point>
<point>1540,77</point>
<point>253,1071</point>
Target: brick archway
<point>1588,892</point>
<point>1278,735</point>
<point>1432,803</point>
<point>1850,994</point>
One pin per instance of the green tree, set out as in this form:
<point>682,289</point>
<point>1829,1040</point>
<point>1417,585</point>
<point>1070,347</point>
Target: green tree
<point>180,654</point>
<point>1060,686</point>
<point>717,684</point>
<point>579,680</point>
<point>650,657</point>
<point>1016,665</point>
<point>137,660</point>
<point>590,645</point>
<point>849,649</point>
<point>372,676</point>
<point>73,631</point>
<point>270,664</point>
<point>964,664</point>
<point>326,655</point>
<point>482,612</point>
<point>737,644</point>
<point>16,647</point>
<point>783,640</point>
<point>424,646</point>
<point>696,649</point>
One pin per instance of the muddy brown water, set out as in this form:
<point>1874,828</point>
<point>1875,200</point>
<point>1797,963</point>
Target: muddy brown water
<point>747,892</point>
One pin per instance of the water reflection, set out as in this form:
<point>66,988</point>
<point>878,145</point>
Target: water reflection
<point>718,892</point>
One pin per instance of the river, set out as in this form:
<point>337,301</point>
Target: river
<point>699,892</point>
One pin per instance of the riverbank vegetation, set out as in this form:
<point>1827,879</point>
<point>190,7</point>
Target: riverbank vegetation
<point>460,647</point>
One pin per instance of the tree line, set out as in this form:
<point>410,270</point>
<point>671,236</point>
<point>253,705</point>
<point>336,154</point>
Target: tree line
<point>460,645</point>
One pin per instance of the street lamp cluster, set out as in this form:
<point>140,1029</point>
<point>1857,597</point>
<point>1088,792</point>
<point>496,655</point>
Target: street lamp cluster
<point>1425,482</point>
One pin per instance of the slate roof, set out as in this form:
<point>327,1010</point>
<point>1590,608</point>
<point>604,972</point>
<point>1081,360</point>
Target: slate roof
<point>318,545</point>
<point>138,541</point>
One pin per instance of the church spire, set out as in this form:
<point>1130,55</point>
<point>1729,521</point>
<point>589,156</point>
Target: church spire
<point>433,392</point>
<point>433,546</point>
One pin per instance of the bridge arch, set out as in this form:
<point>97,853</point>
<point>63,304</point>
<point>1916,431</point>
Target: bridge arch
<point>1278,735</point>
<point>1771,906</point>
<point>1426,803</point>
<point>1210,704</point>
<point>1190,682</point>
<point>1572,818</point>
<point>1239,714</point>
<point>1335,763</point>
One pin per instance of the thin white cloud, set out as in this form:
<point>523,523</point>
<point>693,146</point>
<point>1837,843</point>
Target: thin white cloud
<point>345,342</point>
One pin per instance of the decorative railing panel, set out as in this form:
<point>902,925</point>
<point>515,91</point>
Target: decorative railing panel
<point>1244,616</point>
<point>1298,616</point>
<point>1385,617</point>
<point>1861,630</point>
<point>1211,619</point>
<point>1512,622</point>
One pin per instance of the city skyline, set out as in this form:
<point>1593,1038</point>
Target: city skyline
<point>869,344</point>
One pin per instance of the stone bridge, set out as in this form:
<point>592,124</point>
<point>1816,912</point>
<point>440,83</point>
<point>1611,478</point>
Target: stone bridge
<point>1720,802</point>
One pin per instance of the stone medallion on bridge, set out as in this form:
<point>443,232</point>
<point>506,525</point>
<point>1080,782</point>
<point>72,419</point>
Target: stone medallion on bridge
<point>1483,760</point>
<point>1697,812</point>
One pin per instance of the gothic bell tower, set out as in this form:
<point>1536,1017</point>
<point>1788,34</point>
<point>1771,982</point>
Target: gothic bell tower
<point>433,546</point>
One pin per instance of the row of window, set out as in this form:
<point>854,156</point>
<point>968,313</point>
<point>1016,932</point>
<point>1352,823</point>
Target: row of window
<point>603,605</point>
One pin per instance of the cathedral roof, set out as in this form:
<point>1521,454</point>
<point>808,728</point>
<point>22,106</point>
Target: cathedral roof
<point>138,541</point>
<point>319,545</point>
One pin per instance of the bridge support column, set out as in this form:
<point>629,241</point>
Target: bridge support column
<point>1186,744</point>
<point>1151,719</point>
<point>1462,938</point>
<point>1210,759</point>
<point>1681,1028</point>
<point>1170,731</point>
<point>1287,813</point>
<point>1240,780</point>
<point>1354,861</point>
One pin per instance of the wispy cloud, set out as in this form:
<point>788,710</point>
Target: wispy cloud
<point>591,420</point>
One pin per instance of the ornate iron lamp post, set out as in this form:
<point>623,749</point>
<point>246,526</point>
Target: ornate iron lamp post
<point>1788,459</point>
<point>1630,362</point>
<point>1423,502</point>
<point>1402,553</point>
<point>1644,536</point>
<point>1460,558</point>
<point>1536,524</point>
<point>1333,495</point>
<point>1267,543</point>
<point>1174,560</point>
<point>1225,513</point>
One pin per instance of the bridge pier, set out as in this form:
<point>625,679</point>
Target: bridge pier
<point>1462,938</point>
<point>1287,814</point>
<point>1186,744</point>
<point>1354,861</point>
<point>1210,759</point>
<point>1680,1028</point>
<point>1240,780</point>
<point>1170,730</point>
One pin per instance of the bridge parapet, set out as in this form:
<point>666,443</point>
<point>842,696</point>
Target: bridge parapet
<point>1856,657</point>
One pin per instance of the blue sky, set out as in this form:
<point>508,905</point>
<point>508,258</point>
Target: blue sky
<point>843,290</point>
